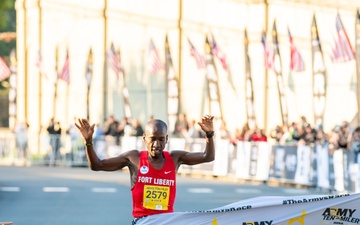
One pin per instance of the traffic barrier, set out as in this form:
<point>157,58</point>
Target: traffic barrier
<point>305,165</point>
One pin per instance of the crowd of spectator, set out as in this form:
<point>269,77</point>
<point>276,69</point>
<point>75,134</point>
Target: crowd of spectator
<point>342,136</point>
<point>117,129</point>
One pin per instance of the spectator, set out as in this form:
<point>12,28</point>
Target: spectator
<point>127,128</point>
<point>310,134</point>
<point>321,138</point>
<point>224,133</point>
<point>277,133</point>
<point>137,129</point>
<point>74,136</point>
<point>99,141</point>
<point>111,129</point>
<point>244,134</point>
<point>181,126</point>
<point>258,135</point>
<point>345,133</point>
<point>355,144</point>
<point>111,126</point>
<point>54,130</point>
<point>334,139</point>
<point>287,136</point>
<point>299,132</point>
<point>21,131</point>
<point>193,132</point>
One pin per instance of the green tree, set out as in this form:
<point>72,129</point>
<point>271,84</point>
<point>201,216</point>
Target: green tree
<point>6,8</point>
<point>7,24</point>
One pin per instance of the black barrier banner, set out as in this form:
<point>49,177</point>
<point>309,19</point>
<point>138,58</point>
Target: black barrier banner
<point>283,162</point>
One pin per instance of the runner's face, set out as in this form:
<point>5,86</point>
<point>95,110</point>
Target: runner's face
<point>155,139</point>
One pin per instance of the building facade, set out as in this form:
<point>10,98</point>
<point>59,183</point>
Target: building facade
<point>55,27</point>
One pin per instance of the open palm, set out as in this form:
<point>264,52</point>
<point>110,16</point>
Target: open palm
<point>85,129</point>
<point>206,123</point>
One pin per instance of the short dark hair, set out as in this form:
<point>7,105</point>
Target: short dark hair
<point>157,123</point>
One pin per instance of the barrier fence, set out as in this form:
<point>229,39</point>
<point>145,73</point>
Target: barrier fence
<point>312,166</point>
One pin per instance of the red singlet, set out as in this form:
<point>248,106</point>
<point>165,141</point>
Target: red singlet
<point>154,190</point>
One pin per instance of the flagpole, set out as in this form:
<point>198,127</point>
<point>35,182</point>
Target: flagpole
<point>25,63</point>
<point>318,75</point>
<point>279,78</point>
<point>56,80</point>
<point>26,83</point>
<point>149,97</point>
<point>357,46</point>
<point>124,89</point>
<point>180,51</point>
<point>67,104</point>
<point>40,77</point>
<point>88,75</point>
<point>266,80</point>
<point>213,86</point>
<point>105,78</point>
<point>249,90</point>
<point>12,92</point>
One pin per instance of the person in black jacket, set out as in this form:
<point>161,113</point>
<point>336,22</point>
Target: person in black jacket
<point>54,130</point>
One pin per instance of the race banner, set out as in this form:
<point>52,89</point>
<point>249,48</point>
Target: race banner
<point>271,210</point>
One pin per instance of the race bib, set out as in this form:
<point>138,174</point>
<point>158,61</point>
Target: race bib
<point>156,197</point>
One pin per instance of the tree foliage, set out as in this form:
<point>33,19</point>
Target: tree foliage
<point>7,24</point>
<point>7,15</point>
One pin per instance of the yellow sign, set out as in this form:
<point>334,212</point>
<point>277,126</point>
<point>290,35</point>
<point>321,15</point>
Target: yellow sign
<point>156,197</point>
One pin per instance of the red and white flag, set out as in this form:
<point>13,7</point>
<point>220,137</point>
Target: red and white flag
<point>296,61</point>
<point>113,60</point>
<point>342,50</point>
<point>65,72</point>
<point>200,61</point>
<point>216,51</point>
<point>4,70</point>
<point>154,64</point>
<point>268,53</point>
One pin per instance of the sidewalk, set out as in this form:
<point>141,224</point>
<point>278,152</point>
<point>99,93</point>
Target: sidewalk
<point>41,162</point>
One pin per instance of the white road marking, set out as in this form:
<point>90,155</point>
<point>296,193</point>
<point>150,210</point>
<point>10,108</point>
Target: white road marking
<point>55,189</point>
<point>247,191</point>
<point>104,190</point>
<point>10,189</point>
<point>200,190</point>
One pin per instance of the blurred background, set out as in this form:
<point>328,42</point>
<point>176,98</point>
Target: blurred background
<point>280,77</point>
<point>96,59</point>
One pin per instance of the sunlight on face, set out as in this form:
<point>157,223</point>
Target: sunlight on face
<point>155,137</point>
